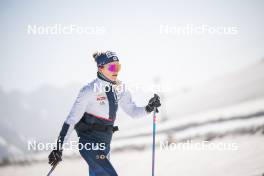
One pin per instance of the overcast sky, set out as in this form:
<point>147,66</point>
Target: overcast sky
<point>132,29</point>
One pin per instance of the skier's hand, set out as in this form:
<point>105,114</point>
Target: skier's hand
<point>153,102</point>
<point>55,156</point>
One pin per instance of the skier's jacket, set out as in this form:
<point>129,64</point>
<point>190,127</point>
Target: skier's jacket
<point>99,100</point>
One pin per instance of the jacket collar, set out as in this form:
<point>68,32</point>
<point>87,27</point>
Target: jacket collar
<point>103,82</point>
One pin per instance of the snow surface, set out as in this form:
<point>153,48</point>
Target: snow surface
<point>248,160</point>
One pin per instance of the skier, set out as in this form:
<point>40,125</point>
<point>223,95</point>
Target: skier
<point>93,115</point>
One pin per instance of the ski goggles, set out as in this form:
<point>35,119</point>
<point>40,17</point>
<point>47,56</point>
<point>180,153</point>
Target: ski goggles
<point>114,67</point>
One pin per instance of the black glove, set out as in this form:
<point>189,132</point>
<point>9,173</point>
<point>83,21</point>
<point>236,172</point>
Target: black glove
<point>153,102</point>
<point>55,156</point>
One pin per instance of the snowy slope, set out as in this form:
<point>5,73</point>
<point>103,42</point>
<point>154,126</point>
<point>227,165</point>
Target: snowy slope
<point>247,111</point>
<point>242,85</point>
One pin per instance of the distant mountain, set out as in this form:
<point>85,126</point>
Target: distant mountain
<point>34,116</point>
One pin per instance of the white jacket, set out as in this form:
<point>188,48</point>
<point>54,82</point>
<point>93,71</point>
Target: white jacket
<point>93,100</point>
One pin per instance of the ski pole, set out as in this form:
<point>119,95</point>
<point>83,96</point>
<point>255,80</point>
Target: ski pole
<point>53,167</point>
<point>153,141</point>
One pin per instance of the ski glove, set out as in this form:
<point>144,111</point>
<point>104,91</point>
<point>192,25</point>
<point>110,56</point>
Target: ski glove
<point>55,156</point>
<point>153,102</point>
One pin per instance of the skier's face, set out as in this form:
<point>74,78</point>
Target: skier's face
<point>111,70</point>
